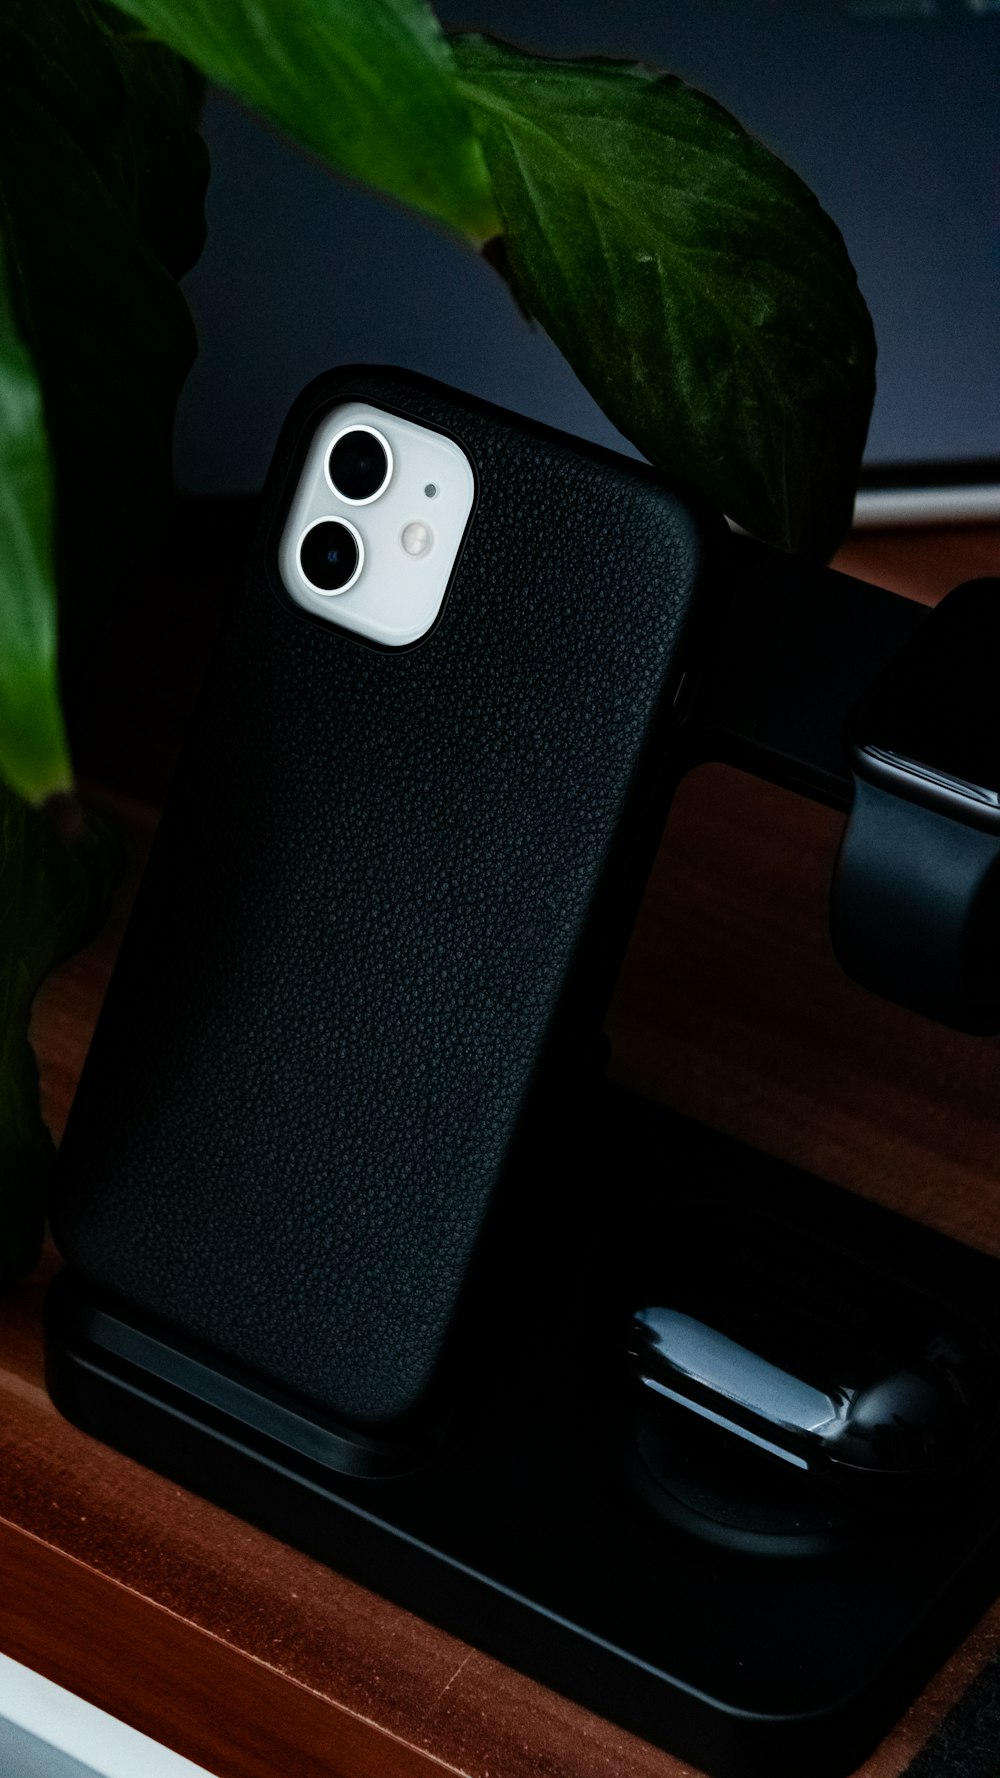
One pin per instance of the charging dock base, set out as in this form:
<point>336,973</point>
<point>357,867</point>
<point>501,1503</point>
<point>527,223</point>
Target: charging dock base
<point>537,1532</point>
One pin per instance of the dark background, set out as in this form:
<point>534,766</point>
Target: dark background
<point>886,107</point>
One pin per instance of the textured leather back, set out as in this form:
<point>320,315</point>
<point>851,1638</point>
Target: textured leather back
<point>382,915</point>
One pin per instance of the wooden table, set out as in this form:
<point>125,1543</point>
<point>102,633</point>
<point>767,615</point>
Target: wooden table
<point>258,1662</point>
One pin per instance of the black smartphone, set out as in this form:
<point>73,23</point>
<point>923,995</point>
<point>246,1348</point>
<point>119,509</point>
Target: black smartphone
<point>319,1134</point>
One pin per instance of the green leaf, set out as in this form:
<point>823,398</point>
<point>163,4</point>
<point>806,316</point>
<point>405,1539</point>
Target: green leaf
<point>102,178</point>
<point>368,85</point>
<point>33,754</point>
<point>691,279</point>
<point>53,893</point>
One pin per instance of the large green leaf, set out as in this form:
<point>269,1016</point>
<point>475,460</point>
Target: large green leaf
<point>33,755</point>
<point>102,177</point>
<point>689,276</point>
<point>53,888</point>
<point>368,85</point>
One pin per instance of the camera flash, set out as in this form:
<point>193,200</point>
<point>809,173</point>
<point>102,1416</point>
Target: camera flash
<point>416,538</point>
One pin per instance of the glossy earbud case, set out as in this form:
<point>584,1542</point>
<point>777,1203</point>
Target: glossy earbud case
<point>798,1362</point>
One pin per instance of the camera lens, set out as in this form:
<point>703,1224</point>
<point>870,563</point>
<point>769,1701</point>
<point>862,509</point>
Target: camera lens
<point>329,556</point>
<point>359,465</point>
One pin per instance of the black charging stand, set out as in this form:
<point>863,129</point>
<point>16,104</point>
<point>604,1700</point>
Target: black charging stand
<point>693,1586</point>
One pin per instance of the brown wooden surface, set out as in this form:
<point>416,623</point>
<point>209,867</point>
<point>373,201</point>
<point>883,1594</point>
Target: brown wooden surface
<point>255,1660</point>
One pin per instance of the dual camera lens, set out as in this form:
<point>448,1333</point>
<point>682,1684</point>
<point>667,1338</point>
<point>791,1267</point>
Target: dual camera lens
<point>358,467</point>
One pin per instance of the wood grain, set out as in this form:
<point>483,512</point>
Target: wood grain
<point>207,1699</point>
<point>256,1661</point>
<point>922,562</point>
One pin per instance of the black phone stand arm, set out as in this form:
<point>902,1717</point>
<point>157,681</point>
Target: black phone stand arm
<point>794,647</point>
<point>915,906</point>
<point>871,703</point>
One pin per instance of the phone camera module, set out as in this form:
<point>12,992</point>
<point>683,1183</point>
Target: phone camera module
<point>359,465</point>
<point>330,556</point>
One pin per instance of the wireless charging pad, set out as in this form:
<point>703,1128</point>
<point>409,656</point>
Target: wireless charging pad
<point>656,1570</point>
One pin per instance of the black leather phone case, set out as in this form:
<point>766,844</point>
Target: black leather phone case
<point>380,925</point>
